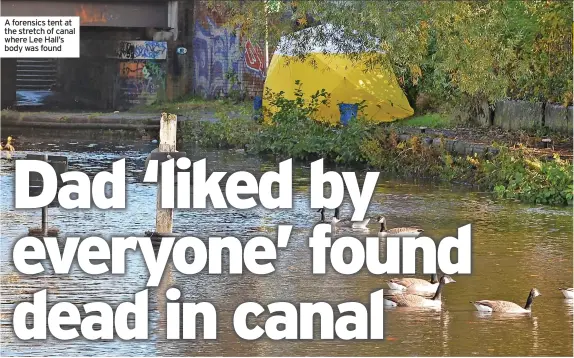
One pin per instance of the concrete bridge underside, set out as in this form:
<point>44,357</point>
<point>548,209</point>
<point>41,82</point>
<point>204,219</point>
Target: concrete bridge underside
<point>123,13</point>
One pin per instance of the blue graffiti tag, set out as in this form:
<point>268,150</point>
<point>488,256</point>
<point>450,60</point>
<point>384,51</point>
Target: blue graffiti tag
<point>142,50</point>
<point>216,53</point>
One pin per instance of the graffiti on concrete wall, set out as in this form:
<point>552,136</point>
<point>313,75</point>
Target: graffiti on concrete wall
<point>254,59</point>
<point>141,81</point>
<point>218,59</point>
<point>131,69</point>
<point>142,50</point>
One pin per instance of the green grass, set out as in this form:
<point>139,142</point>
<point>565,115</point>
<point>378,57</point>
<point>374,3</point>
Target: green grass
<point>192,105</point>
<point>10,114</point>
<point>429,120</point>
<point>94,115</point>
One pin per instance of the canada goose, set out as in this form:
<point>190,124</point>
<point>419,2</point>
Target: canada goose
<point>411,300</point>
<point>322,211</point>
<point>506,306</point>
<point>398,231</point>
<point>348,223</point>
<point>567,292</point>
<point>404,283</point>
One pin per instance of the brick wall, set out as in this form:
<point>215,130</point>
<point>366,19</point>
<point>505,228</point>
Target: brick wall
<point>223,61</point>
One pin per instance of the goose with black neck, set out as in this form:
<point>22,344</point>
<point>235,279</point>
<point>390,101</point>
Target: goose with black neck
<point>412,300</point>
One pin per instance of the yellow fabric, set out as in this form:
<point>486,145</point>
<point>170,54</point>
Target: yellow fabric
<point>347,81</point>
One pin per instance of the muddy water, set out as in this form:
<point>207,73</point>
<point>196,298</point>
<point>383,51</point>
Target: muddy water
<point>515,247</point>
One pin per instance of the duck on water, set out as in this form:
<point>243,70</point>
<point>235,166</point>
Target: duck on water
<point>506,306</point>
<point>413,300</point>
<point>338,222</point>
<point>413,284</point>
<point>398,231</point>
<point>567,292</point>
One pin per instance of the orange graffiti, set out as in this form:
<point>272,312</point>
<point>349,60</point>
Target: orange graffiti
<point>90,16</point>
<point>132,69</point>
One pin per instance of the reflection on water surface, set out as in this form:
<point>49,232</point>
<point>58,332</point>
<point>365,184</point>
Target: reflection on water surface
<point>515,247</point>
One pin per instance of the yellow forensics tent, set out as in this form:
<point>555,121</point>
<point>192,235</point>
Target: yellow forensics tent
<point>328,67</point>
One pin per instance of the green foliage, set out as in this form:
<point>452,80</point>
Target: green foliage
<point>295,133</point>
<point>292,130</point>
<point>515,175</point>
<point>297,110</point>
<point>456,51</point>
<point>227,131</point>
<point>189,106</point>
<point>235,92</point>
<point>429,120</point>
<point>544,66</point>
<point>292,133</point>
<point>385,151</point>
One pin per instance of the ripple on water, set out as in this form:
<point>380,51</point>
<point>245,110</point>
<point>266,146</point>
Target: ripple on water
<point>515,247</point>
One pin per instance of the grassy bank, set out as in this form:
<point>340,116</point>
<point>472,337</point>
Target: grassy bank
<point>429,120</point>
<point>197,106</point>
<point>513,173</point>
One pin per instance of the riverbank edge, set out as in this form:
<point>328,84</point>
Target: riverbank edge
<point>530,175</point>
<point>147,125</point>
<point>454,160</point>
<point>88,120</point>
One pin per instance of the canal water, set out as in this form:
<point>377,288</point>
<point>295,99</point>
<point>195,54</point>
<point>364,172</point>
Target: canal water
<point>515,247</point>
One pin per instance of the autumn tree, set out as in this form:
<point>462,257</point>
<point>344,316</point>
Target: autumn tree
<point>455,51</point>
